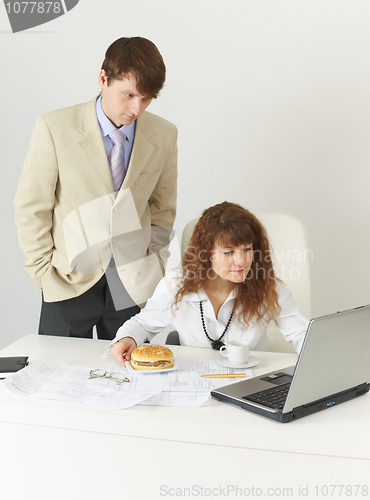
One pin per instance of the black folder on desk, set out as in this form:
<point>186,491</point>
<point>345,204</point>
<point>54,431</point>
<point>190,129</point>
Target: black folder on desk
<point>333,367</point>
<point>10,365</point>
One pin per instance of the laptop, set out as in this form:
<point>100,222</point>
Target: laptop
<point>333,367</point>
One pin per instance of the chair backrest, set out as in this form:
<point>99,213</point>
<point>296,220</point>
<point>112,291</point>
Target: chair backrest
<point>292,262</point>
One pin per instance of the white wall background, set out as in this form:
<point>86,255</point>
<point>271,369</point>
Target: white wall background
<point>272,102</point>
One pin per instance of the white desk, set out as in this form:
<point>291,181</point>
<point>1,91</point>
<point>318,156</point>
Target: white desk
<point>59,451</point>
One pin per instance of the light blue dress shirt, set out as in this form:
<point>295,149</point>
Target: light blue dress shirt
<point>106,127</point>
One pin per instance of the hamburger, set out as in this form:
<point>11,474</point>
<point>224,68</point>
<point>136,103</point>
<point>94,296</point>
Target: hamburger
<point>152,357</point>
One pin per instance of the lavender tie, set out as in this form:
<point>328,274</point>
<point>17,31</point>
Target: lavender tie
<point>115,159</point>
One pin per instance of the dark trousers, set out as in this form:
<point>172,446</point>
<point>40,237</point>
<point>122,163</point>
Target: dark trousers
<point>76,317</point>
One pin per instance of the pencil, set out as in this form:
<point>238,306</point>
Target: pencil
<point>223,375</point>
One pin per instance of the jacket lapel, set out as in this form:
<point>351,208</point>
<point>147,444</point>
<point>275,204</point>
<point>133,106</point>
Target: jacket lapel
<point>93,148</point>
<point>92,145</point>
<point>141,152</point>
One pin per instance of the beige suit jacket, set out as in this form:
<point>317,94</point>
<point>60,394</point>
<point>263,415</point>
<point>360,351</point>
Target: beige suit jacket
<point>70,221</point>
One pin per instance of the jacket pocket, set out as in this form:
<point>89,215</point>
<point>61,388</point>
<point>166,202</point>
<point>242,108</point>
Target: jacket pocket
<point>60,262</point>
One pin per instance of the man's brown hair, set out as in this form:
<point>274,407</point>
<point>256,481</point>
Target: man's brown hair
<point>139,57</point>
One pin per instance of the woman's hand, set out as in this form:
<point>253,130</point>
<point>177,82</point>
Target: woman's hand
<point>122,349</point>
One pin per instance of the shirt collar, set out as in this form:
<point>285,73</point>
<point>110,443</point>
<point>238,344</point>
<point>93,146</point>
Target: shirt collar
<point>106,126</point>
<point>201,295</point>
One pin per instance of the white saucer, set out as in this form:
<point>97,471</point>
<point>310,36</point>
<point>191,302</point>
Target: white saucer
<point>252,361</point>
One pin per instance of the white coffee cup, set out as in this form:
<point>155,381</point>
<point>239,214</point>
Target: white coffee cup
<point>236,352</point>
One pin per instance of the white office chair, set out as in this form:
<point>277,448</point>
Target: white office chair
<point>292,262</point>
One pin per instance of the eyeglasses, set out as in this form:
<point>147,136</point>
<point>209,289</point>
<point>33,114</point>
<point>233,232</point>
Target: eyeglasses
<point>116,377</point>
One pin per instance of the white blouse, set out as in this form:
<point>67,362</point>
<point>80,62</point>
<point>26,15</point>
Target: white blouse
<point>186,319</point>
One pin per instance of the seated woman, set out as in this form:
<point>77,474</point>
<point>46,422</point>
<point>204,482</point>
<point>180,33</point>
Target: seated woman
<point>226,290</point>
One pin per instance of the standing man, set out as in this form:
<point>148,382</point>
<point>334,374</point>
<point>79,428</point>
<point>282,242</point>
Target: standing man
<point>96,201</point>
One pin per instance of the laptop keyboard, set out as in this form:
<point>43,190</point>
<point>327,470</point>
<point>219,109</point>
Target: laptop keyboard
<point>273,398</point>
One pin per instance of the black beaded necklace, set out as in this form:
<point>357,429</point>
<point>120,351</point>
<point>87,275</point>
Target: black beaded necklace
<point>216,343</point>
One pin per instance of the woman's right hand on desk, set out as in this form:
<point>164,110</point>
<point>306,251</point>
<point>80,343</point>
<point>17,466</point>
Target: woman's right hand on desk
<point>122,349</point>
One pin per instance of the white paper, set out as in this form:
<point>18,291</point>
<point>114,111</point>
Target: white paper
<point>51,379</point>
<point>187,378</point>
